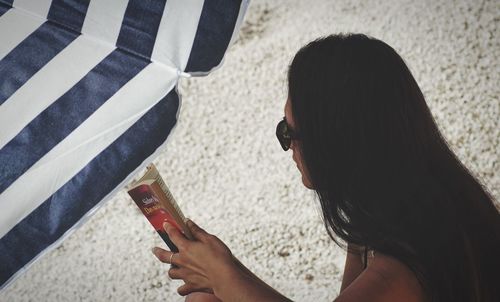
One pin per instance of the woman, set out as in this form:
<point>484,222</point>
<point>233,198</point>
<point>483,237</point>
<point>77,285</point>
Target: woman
<point>389,185</point>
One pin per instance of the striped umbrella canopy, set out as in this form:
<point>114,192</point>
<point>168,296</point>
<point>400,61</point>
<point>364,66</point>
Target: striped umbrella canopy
<point>87,99</point>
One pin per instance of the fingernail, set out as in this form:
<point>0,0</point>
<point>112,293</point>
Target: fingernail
<point>165,225</point>
<point>153,250</point>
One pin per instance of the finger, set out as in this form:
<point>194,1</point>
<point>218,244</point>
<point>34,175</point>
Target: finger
<point>198,233</point>
<point>176,273</point>
<point>202,295</point>
<point>189,289</point>
<point>186,289</point>
<point>175,236</point>
<point>163,255</point>
<point>208,291</point>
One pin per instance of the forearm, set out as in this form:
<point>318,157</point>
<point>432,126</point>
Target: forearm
<point>241,285</point>
<point>253,276</point>
<point>353,265</point>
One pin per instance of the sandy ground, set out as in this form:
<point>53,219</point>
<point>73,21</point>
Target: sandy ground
<point>230,175</point>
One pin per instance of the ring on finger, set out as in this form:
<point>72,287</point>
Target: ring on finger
<point>171,256</point>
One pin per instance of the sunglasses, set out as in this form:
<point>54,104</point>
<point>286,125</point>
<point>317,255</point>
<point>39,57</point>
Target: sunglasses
<point>285,134</point>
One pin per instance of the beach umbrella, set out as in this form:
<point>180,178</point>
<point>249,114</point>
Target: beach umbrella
<point>87,99</point>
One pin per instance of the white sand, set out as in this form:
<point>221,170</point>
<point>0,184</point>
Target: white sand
<point>230,175</point>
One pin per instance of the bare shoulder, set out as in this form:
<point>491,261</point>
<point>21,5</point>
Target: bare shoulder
<point>385,279</point>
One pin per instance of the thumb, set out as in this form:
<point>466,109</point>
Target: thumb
<point>198,233</point>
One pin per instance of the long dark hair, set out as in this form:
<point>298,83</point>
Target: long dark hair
<point>384,174</point>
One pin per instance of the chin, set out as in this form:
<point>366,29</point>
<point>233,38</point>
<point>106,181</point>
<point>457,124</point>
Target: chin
<point>306,183</point>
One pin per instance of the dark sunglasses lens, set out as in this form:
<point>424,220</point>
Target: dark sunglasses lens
<point>281,134</point>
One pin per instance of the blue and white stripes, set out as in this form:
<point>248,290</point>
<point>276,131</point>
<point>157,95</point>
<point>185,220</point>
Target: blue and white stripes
<point>87,98</point>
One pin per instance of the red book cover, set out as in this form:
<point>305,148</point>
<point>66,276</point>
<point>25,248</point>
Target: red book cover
<point>149,203</point>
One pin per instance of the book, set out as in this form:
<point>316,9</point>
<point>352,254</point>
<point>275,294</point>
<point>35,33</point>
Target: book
<point>152,196</point>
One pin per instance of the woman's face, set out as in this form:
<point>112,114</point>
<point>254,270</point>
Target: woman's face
<point>294,146</point>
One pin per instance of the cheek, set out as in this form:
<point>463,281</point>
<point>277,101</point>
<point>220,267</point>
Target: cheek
<point>294,157</point>
<point>298,160</point>
<point>297,156</point>
<point>300,163</point>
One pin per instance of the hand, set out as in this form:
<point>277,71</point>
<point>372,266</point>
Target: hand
<point>200,263</point>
